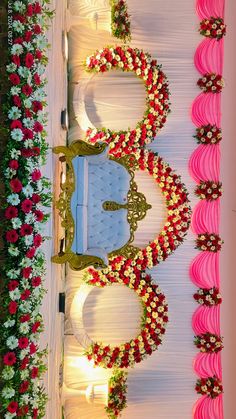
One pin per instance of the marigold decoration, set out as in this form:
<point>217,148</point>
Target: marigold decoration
<point>209,190</point>
<point>209,343</point>
<point>213,27</point>
<point>208,297</point>
<point>154,321</point>
<point>27,195</point>
<point>209,242</point>
<point>120,20</point>
<point>116,394</point>
<point>208,134</point>
<point>211,83</point>
<point>146,68</point>
<point>211,387</point>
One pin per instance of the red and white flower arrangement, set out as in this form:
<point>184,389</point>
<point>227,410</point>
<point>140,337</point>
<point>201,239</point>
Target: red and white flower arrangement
<point>120,20</point>
<point>208,297</point>
<point>155,317</point>
<point>211,83</point>
<point>117,390</point>
<point>209,242</point>
<point>27,194</point>
<point>209,190</point>
<point>132,59</point>
<point>213,27</point>
<point>208,134</point>
<point>209,343</point>
<point>211,387</point>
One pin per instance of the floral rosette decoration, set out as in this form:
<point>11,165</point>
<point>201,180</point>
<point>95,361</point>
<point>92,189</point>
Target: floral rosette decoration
<point>213,28</point>
<point>208,134</point>
<point>209,190</point>
<point>120,20</point>
<point>211,387</point>
<point>211,83</point>
<point>132,59</point>
<point>208,297</point>
<point>27,195</point>
<point>155,317</point>
<point>117,390</point>
<point>209,242</point>
<point>209,343</point>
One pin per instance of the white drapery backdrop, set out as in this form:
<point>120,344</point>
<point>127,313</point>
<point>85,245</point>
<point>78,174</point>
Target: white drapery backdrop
<point>163,385</point>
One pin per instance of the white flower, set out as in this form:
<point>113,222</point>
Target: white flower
<point>16,223</point>
<point>18,6</point>
<point>11,67</point>
<point>29,240</point>
<point>24,328</point>
<point>8,373</point>
<point>15,154</point>
<point>17,134</point>
<point>41,42</point>
<point>17,49</point>
<point>13,199</point>
<point>8,392</point>
<point>14,113</point>
<point>9,323</point>
<point>24,374</point>
<point>13,274</point>
<point>30,218</point>
<point>24,72</point>
<point>9,415</point>
<point>14,251</point>
<point>12,342</point>
<point>27,103</point>
<point>10,173</point>
<point>15,294</point>
<point>17,25</point>
<point>28,122</point>
<point>25,398</point>
<point>25,306</point>
<point>28,191</point>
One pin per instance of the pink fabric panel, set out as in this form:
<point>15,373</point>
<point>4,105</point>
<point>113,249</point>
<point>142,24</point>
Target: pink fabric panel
<point>208,8</point>
<point>208,55</point>
<point>207,408</point>
<point>206,109</point>
<point>206,319</point>
<point>204,270</point>
<point>204,163</point>
<point>206,217</point>
<point>208,365</point>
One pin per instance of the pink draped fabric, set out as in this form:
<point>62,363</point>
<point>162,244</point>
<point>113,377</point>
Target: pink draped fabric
<point>204,165</point>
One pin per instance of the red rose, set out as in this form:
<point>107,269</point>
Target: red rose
<point>24,363</point>
<point>18,41</point>
<point>13,164</point>
<point>35,327</point>
<point>36,281</point>
<point>12,236</point>
<point>27,90</point>
<point>26,272</point>
<point>24,386</point>
<point>36,151</point>
<point>29,10</point>
<point>37,29</point>
<point>16,124</point>
<point>39,215</point>
<point>23,411</point>
<point>28,114</point>
<point>16,185</point>
<point>33,348</point>
<point>26,230</point>
<point>16,60</point>
<point>37,8</point>
<point>37,106</point>
<point>9,358</point>
<point>25,318</point>
<point>37,240</point>
<point>12,285</point>
<point>36,198</point>
<point>11,212</point>
<point>30,253</point>
<point>25,295</point>
<point>23,342</point>
<point>17,101</point>
<point>37,79</point>
<point>29,60</point>
<point>28,134</point>
<point>36,175</point>
<point>12,407</point>
<point>28,36</point>
<point>38,54</point>
<point>14,79</point>
<point>34,372</point>
<point>12,307</point>
<point>38,127</point>
<point>26,205</point>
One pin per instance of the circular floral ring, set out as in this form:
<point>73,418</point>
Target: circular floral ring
<point>174,230</point>
<point>142,64</point>
<point>154,320</point>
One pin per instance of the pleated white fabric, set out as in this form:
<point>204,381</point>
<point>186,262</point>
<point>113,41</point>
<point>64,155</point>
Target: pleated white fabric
<point>163,385</point>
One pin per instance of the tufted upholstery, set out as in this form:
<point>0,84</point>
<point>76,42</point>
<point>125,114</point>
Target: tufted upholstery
<point>98,231</point>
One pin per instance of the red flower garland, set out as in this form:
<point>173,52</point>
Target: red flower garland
<point>211,83</point>
<point>209,242</point>
<point>208,297</point>
<point>209,190</point>
<point>213,28</point>
<point>211,387</point>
